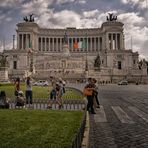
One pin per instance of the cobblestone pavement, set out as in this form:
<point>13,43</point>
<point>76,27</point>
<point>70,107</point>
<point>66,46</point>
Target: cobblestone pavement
<point>122,120</point>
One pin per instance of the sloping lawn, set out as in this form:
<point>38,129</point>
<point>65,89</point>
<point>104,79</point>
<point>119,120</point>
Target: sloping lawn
<point>38,128</point>
<point>40,92</point>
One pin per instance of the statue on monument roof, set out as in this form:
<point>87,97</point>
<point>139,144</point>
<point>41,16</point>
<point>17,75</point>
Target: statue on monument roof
<point>29,19</point>
<point>111,17</point>
<point>65,38</point>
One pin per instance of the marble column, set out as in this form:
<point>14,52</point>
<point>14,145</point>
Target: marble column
<point>19,41</point>
<point>90,44</point>
<point>45,44</point>
<point>95,49</point>
<point>53,49</point>
<point>101,43</point>
<point>48,44</point>
<point>98,43</point>
<point>60,44</point>
<point>57,45</point>
<point>111,41</point>
<point>22,41</point>
<point>121,41</point>
<point>107,41</point>
<point>41,44</point>
<point>87,44</point>
<point>116,40</point>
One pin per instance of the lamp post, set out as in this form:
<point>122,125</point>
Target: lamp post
<point>13,41</point>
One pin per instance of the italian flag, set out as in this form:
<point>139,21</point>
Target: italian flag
<point>80,44</point>
<point>30,47</point>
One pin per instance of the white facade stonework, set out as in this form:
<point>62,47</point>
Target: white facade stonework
<point>50,56</point>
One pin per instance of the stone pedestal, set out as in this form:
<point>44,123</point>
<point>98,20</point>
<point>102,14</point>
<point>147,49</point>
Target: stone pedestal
<point>66,52</point>
<point>3,73</point>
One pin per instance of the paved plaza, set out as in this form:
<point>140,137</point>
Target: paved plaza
<point>122,120</point>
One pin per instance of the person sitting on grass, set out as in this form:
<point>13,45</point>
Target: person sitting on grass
<point>20,99</point>
<point>4,103</point>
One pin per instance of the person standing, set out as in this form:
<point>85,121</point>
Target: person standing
<point>95,93</point>
<point>52,93</point>
<point>16,86</point>
<point>4,103</point>
<point>53,90</point>
<point>28,91</point>
<point>88,92</point>
<point>16,90</point>
<point>59,95</point>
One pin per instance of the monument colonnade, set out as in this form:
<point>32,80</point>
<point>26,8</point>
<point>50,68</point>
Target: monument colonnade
<point>55,43</point>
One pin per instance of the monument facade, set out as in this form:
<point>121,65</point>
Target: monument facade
<point>73,53</point>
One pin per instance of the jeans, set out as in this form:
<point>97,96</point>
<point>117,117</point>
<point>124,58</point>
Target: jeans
<point>90,104</point>
<point>53,94</point>
<point>29,96</point>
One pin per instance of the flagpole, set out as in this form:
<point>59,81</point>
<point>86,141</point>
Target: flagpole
<point>4,45</point>
<point>13,41</point>
<point>131,43</point>
<point>86,62</point>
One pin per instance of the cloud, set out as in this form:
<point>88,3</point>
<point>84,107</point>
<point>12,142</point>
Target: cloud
<point>82,1</point>
<point>70,1</point>
<point>64,1</point>
<point>8,46</point>
<point>139,3</point>
<point>36,7</point>
<point>4,18</point>
<point>60,19</point>
<point>10,3</point>
<point>131,18</point>
<point>68,18</point>
<point>133,29</point>
<point>89,14</point>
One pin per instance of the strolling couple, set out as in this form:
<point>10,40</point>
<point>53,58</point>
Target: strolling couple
<point>91,93</point>
<point>56,93</point>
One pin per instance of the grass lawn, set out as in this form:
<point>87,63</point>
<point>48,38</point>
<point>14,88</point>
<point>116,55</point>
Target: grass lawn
<point>38,128</point>
<point>40,92</point>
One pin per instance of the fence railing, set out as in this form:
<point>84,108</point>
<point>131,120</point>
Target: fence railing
<point>68,104</point>
<point>77,141</point>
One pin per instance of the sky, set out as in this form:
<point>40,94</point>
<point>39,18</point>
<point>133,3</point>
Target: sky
<point>79,14</point>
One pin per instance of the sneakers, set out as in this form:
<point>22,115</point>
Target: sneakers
<point>60,106</point>
<point>93,113</point>
<point>49,107</point>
